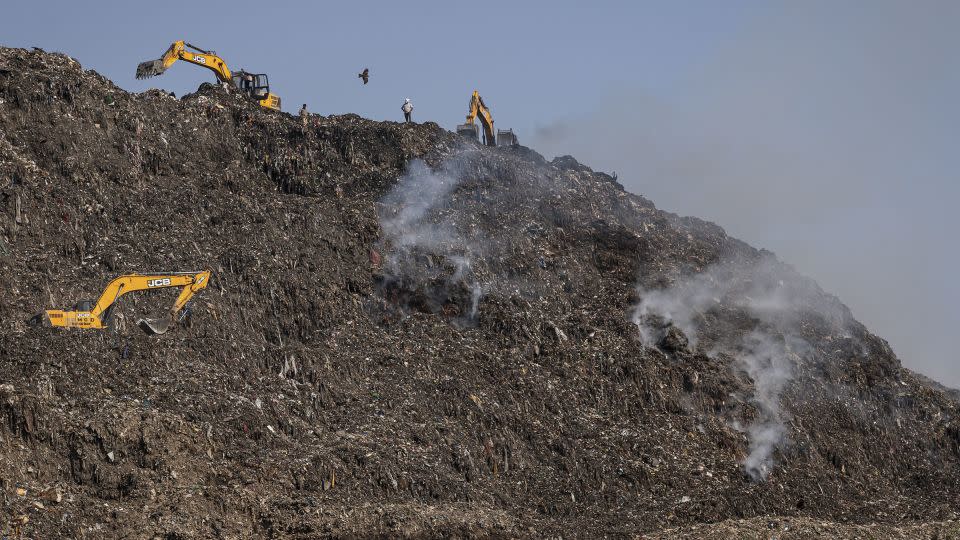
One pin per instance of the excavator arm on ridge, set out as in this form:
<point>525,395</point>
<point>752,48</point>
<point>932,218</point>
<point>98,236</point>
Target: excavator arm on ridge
<point>254,85</point>
<point>479,110</point>
<point>178,51</point>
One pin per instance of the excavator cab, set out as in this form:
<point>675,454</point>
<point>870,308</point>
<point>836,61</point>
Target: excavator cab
<point>255,85</point>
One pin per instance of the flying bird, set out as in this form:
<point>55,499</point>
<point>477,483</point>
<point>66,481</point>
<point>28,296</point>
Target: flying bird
<point>365,75</point>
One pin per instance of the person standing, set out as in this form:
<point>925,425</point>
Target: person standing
<point>304,115</point>
<point>407,109</point>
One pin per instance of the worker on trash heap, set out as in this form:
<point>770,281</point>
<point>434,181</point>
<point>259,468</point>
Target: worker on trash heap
<point>407,109</point>
<point>304,115</point>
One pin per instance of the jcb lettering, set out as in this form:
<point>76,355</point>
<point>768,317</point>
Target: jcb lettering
<point>158,282</point>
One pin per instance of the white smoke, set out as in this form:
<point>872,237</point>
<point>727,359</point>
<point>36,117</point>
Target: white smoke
<point>773,295</point>
<point>770,363</point>
<point>424,247</point>
<point>768,289</point>
<point>679,305</point>
<point>416,194</point>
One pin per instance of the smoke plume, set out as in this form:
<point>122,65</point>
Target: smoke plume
<point>823,131</point>
<point>770,363</point>
<point>775,297</point>
<point>429,256</point>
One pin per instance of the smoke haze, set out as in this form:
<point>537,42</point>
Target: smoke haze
<point>769,363</point>
<point>773,294</point>
<point>425,249</point>
<point>825,132</point>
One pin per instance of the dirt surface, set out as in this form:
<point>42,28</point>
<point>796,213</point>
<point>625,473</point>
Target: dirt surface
<point>407,334</point>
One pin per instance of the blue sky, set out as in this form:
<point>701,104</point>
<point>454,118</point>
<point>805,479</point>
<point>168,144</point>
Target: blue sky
<point>530,60</point>
<point>826,132</point>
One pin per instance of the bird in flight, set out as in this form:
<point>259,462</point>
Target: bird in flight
<point>365,75</point>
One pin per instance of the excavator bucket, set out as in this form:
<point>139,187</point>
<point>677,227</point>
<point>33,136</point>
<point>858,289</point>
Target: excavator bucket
<point>506,137</point>
<point>154,326</point>
<point>470,131</point>
<point>160,325</point>
<point>150,68</point>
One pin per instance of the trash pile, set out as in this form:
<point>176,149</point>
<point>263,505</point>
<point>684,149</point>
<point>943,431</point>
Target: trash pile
<point>410,334</point>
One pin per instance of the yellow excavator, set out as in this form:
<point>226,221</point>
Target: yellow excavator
<point>254,85</point>
<point>478,109</point>
<point>90,314</point>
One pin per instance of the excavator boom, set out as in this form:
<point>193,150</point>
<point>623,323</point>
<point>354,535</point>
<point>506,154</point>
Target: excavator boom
<point>479,110</point>
<point>89,314</point>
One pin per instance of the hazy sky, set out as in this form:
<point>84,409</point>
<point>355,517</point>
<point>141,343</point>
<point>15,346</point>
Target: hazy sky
<point>827,132</point>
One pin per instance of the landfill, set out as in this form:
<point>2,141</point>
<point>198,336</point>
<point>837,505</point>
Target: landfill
<point>410,334</point>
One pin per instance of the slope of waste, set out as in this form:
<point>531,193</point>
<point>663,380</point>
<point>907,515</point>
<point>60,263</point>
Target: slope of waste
<point>408,334</point>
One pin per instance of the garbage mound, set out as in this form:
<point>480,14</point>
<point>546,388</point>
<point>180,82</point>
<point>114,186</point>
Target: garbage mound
<point>410,334</point>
